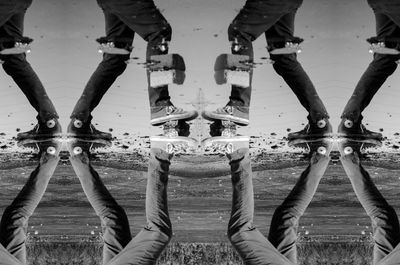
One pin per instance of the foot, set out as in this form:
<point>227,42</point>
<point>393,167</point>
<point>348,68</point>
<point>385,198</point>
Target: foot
<point>42,130</point>
<point>169,113</point>
<point>321,128</point>
<point>229,113</point>
<point>349,128</point>
<point>79,129</point>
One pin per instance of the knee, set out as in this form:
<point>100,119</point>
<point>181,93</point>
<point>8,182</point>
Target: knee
<point>12,62</point>
<point>385,62</point>
<point>15,216</point>
<point>235,230</point>
<point>114,63</point>
<point>383,215</point>
<point>285,62</point>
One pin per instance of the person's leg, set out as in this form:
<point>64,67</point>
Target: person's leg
<point>287,66</point>
<point>381,67</point>
<point>254,19</point>
<point>17,67</point>
<point>114,222</point>
<point>146,20</point>
<point>248,241</point>
<point>385,223</point>
<point>285,221</point>
<point>14,222</point>
<point>148,244</point>
<point>112,66</point>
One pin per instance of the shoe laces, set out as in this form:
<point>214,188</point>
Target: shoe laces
<point>170,109</point>
<point>228,109</point>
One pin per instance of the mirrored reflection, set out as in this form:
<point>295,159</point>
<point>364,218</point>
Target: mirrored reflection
<point>384,221</point>
<point>119,246</point>
<point>15,217</point>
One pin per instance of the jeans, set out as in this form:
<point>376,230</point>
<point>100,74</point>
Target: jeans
<point>280,247</point>
<point>275,19</point>
<point>124,18</point>
<point>385,224</point>
<point>119,246</point>
<point>387,15</point>
<point>12,15</point>
<point>14,222</point>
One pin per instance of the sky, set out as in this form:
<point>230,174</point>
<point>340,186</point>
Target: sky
<point>64,55</point>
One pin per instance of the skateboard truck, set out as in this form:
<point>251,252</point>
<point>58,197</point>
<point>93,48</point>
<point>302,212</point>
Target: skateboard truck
<point>166,69</point>
<point>115,46</point>
<point>233,69</point>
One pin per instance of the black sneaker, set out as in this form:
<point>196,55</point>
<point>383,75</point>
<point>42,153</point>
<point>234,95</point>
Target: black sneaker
<point>320,129</point>
<point>350,129</point>
<point>79,129</point>
<point>48,129</point>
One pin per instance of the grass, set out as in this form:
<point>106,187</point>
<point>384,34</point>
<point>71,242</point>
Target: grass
<point>309,253</point>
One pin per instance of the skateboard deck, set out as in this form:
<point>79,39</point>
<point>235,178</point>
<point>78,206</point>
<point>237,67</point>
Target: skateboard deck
<point>166,69</point>
<point>233,69</point>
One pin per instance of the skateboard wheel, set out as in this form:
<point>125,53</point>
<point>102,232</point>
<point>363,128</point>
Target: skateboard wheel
<point>51,123</point>
<point>348,123</point>
<point>321,124</point>
<point>77,150</point>
<point>51,150</point>
<point>348,150</point>
<point>78,124</point>
<point>321,150</point>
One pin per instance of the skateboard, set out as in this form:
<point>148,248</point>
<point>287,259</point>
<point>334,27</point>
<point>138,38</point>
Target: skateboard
<point>166,69</point>
<point>15,45</point>
<point>228,139</point>
<point>285,47</point>
<point>233,69</point>
<point>114,46</point>
<point>171,141</point>
<point>384,47</point>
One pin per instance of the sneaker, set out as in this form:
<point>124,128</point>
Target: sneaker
<point>230,113</point>
<point>321,128</point>
<point>48,129</point>
<point>349,128</point>
<point>78,129</point>
<point>171,113</point>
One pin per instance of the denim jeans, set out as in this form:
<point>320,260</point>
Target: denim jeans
<point>123,19</point>
<point>385,224</point>
<point>14,221</point>
<point>387,16</point>
<point>275,19</point>
<point>280,247</point>
<point>119,246</point>
<point>12,15</point>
